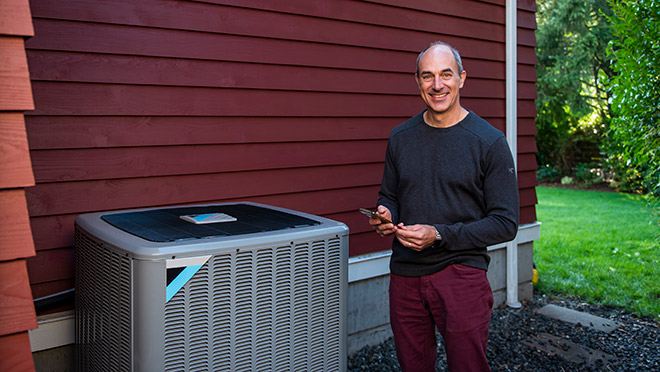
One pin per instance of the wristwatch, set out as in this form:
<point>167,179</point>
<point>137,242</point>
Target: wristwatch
<point>437,234</point>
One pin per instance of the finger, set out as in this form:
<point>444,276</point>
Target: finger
<point>374,221</point>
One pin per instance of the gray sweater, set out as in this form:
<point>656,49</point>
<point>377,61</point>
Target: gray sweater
<point>459,179</point>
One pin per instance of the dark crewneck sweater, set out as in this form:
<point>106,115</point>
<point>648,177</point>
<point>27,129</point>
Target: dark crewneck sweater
<point>459,179</point>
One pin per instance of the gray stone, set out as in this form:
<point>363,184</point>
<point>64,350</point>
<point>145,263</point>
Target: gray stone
<point>578,317</point>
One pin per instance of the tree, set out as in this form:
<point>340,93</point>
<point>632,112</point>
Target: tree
<point>635,128</point>
<point>573,66</point>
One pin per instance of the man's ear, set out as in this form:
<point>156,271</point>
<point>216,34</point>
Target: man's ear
<point>463,76</point>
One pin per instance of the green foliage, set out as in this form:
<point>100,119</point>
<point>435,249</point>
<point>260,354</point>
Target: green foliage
<point>547,174</point>
<point>587,173</point>
<point>572,68</point>
<point>601,246</point>
<point>634,144</point>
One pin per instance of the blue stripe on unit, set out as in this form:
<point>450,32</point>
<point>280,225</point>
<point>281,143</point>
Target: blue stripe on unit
<point>180,281</point>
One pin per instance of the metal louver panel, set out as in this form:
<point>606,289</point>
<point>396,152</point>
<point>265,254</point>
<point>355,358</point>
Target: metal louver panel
<point>267,309</point>
<point>103,307</point>
<point>271,300</point>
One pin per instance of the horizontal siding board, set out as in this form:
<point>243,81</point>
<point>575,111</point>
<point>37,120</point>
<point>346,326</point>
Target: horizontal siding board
<point>526,127</point>
<point>526,162</point>
<point>528,5</point>
<point>15,233</point>
<point>110,99</point>
<point>483,69</point>
<point>368,242</point>
<point>98,68</point>
<point>52,265</point>
<point>125,131</point>
<point>526,108</point>
<point>84,196</point>
<point>527,179</point>
<point>106,99</point>
<point>53,232</point>
<point>527,215</point>
<point>528,197</point>
<point>16,306</point>
<point>117,69</point>
<point>55,286</point>
<point>526,55</point>
<point>16,94</point>
<point>366,25</point>
<point>16,19</point>
<point>99,164</point>
<point>134,100</point>
<point>476,10</point>
<point>527,73</point>
<point>527,144</point>
<point>526,91</point>
<point>526,19</point>
<point>526,38</point>
<point>15,167</point>
<point>15,353</point>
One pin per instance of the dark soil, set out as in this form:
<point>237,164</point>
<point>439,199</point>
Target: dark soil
<point>523,340</point>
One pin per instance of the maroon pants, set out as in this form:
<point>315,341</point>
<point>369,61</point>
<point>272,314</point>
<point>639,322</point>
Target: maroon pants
<point>458,301</point>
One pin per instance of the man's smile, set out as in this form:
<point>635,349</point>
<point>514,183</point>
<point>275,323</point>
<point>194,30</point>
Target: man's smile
<point>439,95</point>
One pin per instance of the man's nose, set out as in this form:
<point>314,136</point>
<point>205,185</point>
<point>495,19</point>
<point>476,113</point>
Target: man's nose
<point>437,83</point>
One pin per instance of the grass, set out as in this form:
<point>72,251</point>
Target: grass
<point>600,246</point>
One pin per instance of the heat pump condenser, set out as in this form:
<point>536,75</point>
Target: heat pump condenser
<point>225,287</point>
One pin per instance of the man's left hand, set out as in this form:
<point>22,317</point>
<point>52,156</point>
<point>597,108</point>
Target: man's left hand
<point>416,237</point>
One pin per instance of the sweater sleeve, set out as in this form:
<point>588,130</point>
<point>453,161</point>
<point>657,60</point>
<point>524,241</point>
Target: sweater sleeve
<point>387,196</point>
<point>501,205</point>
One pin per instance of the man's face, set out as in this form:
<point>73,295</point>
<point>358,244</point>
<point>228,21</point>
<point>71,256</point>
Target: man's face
<point>439,80</point>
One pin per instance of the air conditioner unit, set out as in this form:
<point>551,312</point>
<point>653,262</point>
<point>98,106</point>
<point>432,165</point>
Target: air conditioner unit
<point>259,289</point>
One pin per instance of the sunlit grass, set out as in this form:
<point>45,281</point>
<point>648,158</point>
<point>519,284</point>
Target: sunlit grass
<point>600,246</point>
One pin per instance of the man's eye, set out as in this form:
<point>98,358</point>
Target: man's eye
<point>446,76</point>
<point>427,77</point>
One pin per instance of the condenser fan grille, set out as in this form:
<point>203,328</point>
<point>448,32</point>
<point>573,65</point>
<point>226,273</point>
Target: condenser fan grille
<point>268,309</point>
<point>103,307</point>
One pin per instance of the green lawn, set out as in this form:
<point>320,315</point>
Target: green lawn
<point>599,246</point>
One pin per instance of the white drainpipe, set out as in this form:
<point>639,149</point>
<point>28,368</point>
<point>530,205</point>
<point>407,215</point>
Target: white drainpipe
<point>512,138</point>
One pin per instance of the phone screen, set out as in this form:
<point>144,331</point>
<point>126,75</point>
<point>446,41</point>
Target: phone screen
<point>373,214</point>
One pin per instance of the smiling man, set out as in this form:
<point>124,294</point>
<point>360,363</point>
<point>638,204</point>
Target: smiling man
<point>450,189</point>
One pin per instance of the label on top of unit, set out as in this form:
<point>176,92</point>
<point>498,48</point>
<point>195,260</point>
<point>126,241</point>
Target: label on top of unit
<point>208,218</point>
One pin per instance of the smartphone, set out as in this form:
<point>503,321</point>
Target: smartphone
<point>373,214</point>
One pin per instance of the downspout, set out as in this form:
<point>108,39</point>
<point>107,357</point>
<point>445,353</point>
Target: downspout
<point>512,137</point>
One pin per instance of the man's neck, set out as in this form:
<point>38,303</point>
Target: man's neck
<point>445,120</point>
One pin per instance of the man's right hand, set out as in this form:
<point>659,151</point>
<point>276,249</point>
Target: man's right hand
<point>382,228</point>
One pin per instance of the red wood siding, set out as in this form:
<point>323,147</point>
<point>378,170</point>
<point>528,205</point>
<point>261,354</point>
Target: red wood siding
<point>149,103</point>
<point>16,353</point>
<point>17,313</point>
<point>527,181</point>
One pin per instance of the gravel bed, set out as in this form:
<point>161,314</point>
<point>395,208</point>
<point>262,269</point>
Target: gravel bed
<point>523,340</point>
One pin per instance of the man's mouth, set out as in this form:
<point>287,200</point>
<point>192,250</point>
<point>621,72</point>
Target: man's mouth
<point>439,95</point>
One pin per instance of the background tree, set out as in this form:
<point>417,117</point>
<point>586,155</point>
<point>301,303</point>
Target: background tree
<point>573,67</point>
<point>634,139</point>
